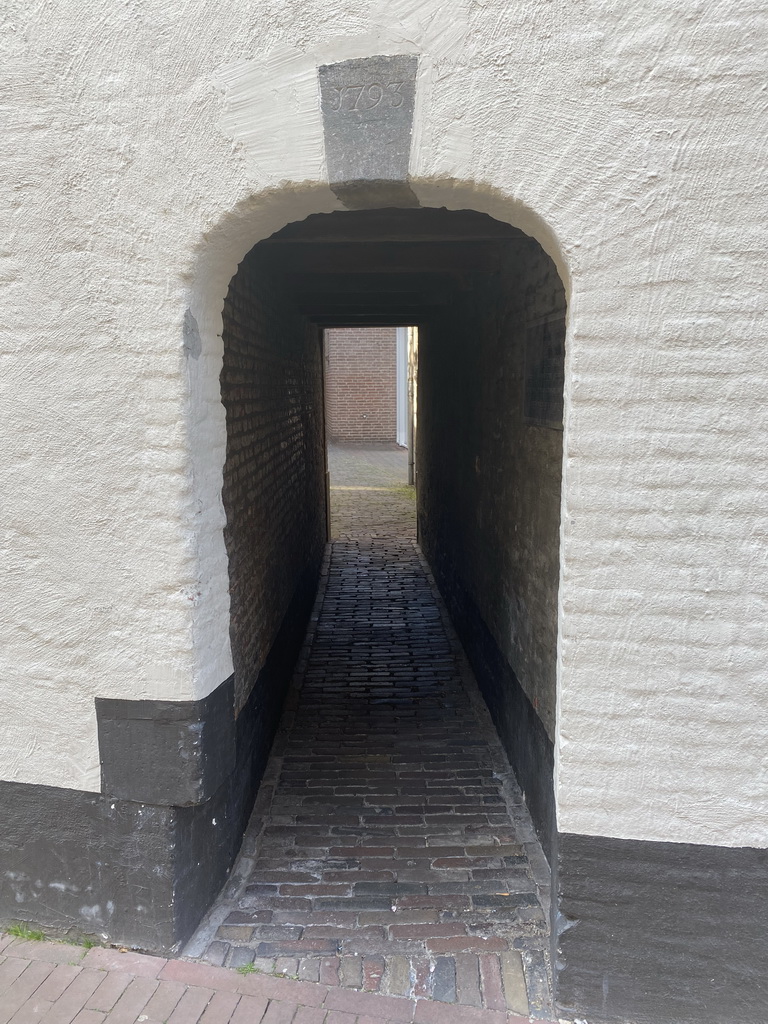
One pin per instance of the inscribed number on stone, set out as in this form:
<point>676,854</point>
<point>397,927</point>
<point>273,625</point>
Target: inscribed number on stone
<point>365,97</point>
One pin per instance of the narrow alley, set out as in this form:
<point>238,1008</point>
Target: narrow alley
<point>390,850</point>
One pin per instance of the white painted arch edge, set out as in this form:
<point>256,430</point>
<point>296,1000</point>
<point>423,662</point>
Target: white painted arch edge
<point>215,264</point>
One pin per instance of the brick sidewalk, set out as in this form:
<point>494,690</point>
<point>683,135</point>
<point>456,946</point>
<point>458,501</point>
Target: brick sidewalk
<point>55,983</point>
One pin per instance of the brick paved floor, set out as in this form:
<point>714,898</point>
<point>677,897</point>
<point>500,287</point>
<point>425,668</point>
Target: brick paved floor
<point>390,851</point>
<point>54,983</point>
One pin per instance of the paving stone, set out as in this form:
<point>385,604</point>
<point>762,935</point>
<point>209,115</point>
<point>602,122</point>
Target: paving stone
<point>283,989</point>
<point>515,899</point>
<point>309,970</point>
<point>190,1007</point>
<point>376,1005</point>
<point>468,980</point>
<point>200,975</point>
<point>432,901</point>
<point>537,979</point>
<point>444,980</point>
<point>373,973</point>
<point>421,972</point>
<point>491,983</point>
<point>299,948</point>
<point>342,933</point>
<point>249,917</point>
<point>311,1015</point>
<point>354,903</point>
<point>89,1017</point>
<point>468,943</point>
<point>513,978</point>
<point>234,932</point>
<point>164,1001</point>
<point>391,889</point>
<point>388,917</point>
<point>351,971</point>
<point>339,1017</point>
<point>24,986</point>
<point>216,953</point>
<point>10,970</point>
<point>74,997</point>
<point>383,947</point>
<point>280,1013</point>
<point>220,1008</point>
<point>132,1001</point>
<point>428,1012</point>
<point>427,931</point>
<point>57,982</point>
<point>241,956</point>
<point>329,970</point>
<point>51,952</point>
<point>397,976</point>
<point>109,991</point>
<point>274,933</point>
<point>249,1010</point>
<point>136,964</point>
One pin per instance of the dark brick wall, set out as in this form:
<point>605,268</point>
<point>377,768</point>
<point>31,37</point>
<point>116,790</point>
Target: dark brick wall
<point>489,477</point>
<point>361,383</point>
<point>273,493</point>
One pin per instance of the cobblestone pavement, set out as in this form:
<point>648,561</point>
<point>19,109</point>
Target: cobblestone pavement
<point>369,493</point>
<point>390,850</point>
<point>359,465</point>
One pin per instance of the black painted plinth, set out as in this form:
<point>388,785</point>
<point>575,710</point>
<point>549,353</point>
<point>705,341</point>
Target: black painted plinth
<point>83,864</point>
<point>167,752</point>
<point>130,865</point>
<point>662,933</point>
<point>76,862</point>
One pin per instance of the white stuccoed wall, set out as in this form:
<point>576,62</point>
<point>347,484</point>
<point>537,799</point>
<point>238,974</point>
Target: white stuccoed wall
<point>150,146</point>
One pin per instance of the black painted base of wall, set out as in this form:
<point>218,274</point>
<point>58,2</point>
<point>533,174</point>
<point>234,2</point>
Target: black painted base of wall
<point>174,753</point>
<point>662,933</point>
<point>140,873</point>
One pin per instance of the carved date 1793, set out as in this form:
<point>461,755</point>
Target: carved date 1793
<point>367,106</point>
<point>365,97</point>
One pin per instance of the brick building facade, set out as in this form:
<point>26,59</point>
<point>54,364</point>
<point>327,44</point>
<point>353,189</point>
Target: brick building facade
<point>361,383</point>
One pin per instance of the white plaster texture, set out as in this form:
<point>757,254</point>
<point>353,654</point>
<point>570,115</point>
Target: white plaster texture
<point>150,146</point>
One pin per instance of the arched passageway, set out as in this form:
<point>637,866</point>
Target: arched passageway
<point>490,310</point>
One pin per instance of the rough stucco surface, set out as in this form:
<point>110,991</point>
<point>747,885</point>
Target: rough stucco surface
<point>133,186</point>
